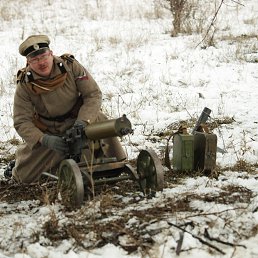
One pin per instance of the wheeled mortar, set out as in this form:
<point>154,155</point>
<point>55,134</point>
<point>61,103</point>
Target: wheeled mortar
<point>87,166</point>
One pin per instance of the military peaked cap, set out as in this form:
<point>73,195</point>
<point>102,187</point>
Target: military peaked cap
<point>33,44</point>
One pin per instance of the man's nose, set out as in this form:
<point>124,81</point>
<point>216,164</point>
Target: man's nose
<point>41,61</point>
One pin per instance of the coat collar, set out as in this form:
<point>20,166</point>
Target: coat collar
<point>59,67</point>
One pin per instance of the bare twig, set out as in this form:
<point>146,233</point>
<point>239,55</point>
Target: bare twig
<point>179,243</point>
<point>233,253</point>
<point>212,22</point>
<point>198,238</point>
<point>236,2</point>
<point>214,18</point>
<point>213,213</point>
<point>207,235</point>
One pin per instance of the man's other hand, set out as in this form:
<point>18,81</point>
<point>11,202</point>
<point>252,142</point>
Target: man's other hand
<point>80,123</point>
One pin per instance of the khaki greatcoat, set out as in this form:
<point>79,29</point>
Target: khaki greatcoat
<point>31,157</point>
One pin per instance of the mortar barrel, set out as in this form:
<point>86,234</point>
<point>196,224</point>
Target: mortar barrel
<point>202,118</point>
<point>109,128</point>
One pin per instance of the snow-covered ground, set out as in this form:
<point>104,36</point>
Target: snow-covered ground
<point>156,80</point>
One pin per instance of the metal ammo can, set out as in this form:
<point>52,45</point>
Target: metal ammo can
<point>183,152</point>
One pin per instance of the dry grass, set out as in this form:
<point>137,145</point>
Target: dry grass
<point>242,166</point>
<point>111,218</point>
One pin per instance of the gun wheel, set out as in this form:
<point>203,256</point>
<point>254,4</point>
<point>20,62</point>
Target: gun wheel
<point>132,172</point>
<point>150,172</point>
<point>70,183</point>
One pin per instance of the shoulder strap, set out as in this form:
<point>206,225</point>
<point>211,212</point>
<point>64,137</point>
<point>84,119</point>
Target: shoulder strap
<point>68,57</point>
<point>20,75</point>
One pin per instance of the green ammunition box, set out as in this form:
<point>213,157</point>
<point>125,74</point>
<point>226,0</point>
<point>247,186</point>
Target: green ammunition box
<point>183,152</point>
<point>205,149</point>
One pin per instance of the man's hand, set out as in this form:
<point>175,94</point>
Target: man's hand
<point>55,143</point>
<point>80,123</point>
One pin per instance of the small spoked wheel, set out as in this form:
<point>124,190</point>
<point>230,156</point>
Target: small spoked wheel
<point>150,172</point>
<point>70,183</point>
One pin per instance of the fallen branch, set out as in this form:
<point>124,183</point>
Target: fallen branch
<point>198,238</point>
<point>207,235</point>
<point>213,213</point>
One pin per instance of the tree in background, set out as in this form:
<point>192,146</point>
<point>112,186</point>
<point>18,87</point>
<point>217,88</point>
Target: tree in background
<point>178,10</point>
<point>195,16</point>
<point>189,16</point>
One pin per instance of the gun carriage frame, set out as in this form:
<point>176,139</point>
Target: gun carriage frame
<point>86,165</point>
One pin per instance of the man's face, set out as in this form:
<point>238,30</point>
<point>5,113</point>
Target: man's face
<point>42,64</point>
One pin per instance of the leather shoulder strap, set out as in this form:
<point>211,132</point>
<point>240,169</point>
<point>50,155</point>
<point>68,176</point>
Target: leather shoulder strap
<point>68,57</point>
<point>21,75</point>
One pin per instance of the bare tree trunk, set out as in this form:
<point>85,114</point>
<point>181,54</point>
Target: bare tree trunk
<point>176,24</point>
<point>177,8</point>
